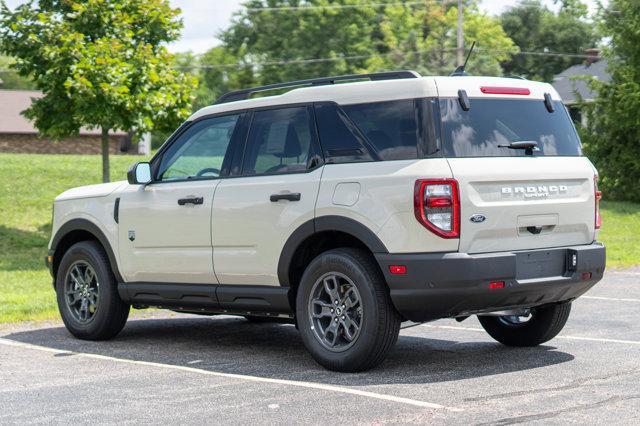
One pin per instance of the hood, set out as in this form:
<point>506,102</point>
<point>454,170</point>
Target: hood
<point>90,191</point>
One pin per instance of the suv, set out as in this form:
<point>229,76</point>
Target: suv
<point>346,209</point>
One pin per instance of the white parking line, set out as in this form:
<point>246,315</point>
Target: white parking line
<point>311,385</point>
<point>589,339</point>
<point>613,299</point>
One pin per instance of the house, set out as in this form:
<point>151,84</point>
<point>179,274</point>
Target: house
<point>574,90</point>
<point>18,135</point>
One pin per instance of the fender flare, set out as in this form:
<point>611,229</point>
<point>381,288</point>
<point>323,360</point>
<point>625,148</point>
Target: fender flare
<point>93,229</point>
<point>322,224</point>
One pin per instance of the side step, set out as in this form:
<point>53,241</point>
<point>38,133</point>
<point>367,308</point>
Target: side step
<point>211,298</point>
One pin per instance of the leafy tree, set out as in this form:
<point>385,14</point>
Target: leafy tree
<point>535,28</point>
<point>613,130</point>
<point>423,37</point>
<point>302,43</point>
<point>270,37</point>
<point>99,63</point>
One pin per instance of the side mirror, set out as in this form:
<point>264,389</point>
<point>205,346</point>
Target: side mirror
<point>139,174</point>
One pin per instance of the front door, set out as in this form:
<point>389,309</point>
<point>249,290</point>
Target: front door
<point>273,193</point>
<point>165,226</point>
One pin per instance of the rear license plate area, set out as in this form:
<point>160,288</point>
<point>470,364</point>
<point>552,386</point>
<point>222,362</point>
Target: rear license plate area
<point>541,264</point>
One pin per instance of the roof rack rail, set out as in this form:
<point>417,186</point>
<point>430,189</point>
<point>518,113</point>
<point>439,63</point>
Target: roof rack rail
<point>240,95</point>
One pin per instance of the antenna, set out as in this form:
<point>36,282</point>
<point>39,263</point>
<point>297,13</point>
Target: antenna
<point>460,70</point>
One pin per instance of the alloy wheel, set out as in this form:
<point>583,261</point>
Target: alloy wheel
<point>335,311</point>
<point>82,291</point>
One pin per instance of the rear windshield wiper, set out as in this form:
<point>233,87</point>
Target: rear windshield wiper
<point>528,146</point>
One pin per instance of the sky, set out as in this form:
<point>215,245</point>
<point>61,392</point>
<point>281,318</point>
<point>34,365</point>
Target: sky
<point>203,19</point>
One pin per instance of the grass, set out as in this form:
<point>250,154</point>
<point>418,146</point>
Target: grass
<point>621,233</point>
<point>29,183</point>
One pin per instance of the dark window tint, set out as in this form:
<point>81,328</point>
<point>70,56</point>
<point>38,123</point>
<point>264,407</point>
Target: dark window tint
<point>339,137</point>
<point>199,151</point>
<point>280,141</point>
<point>391,128</point>
<point>493,122</point>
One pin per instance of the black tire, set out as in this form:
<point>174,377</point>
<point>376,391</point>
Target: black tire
<point>545,323</point>
<point>380,322</point>
<point>110,315</point>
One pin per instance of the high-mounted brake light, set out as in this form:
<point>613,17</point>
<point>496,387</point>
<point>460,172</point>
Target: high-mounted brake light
<point>598,197</point>
<point>436,204</point>
<point>494,90</point>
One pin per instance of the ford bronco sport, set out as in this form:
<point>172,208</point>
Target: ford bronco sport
<point>346,209</point>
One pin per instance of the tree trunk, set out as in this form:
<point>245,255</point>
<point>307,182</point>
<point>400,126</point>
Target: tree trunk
<point>105,155</point>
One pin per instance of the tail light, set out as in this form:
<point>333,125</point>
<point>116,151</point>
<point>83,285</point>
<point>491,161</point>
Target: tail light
<point>437,206</point>
<point>598,197</point>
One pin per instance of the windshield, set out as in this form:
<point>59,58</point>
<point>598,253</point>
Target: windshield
<point>489,123</point>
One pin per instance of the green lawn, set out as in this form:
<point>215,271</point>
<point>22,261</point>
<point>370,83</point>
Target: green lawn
<point>29,183</point>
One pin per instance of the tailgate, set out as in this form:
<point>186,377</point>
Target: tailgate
<point>527,202</point>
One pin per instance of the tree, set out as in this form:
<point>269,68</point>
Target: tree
<point>100,64</point>
<point>423,37</point>
<point>340,37</point>
<point>535,28</point>
<point>332,37</point>
<point>613,129</point>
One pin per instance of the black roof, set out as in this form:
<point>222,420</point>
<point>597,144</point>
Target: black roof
<point>569,87</point>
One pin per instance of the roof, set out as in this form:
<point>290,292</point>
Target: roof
<point>571,88</point>
<point>13,102</point>
<point>384,90</point>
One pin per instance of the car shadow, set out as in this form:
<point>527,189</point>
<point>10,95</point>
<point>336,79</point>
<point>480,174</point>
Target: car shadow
<point>234,345</point>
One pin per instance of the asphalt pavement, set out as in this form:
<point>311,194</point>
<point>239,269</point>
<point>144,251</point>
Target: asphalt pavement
<point>171,368</point>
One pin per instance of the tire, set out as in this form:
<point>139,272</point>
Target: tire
<point>104,314</point>
<point>379,323</point>
<point>545,323</point>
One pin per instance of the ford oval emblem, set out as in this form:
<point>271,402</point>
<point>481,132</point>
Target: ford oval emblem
<point>478,218</point>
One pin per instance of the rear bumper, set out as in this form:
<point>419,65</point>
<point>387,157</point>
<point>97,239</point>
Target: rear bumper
<point>442,285</point>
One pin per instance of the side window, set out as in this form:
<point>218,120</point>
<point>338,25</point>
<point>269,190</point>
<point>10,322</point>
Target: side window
<point>339,137</point>
<point>199,151</point>
<point>280,141</point>
<point>391,128</point>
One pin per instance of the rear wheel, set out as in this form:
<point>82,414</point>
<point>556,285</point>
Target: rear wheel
<point>87,293</point>
<point>344,311</point>
<point>541,325</point>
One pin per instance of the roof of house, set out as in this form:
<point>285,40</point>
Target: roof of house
<point>571,88</point>
<point>13,102</point>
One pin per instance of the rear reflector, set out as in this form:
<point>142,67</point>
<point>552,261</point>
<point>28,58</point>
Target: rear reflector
<point>505,90</point>
<point>493,285</point>
<point>586,275</point>
<point>398,269</point>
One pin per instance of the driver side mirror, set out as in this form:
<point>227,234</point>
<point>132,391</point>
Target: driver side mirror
<point>139,173</point>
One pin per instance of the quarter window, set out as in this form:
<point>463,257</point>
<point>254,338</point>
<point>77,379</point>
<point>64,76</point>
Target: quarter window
<point>280,141</point>
<point>199,151</point>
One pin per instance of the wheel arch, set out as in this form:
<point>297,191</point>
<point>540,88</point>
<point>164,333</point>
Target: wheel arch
<point>317,236</point>
<point>77,230</point>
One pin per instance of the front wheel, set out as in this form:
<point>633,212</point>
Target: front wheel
<point>344,311</point>
<point>541,325</point>
<point>87,293</point>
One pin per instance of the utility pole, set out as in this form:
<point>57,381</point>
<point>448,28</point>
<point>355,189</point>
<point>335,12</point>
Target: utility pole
<point>460,47</point>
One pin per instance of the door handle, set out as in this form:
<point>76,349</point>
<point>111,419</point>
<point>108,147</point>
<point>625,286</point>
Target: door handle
<point>191,200</point>
<point>289,196</point>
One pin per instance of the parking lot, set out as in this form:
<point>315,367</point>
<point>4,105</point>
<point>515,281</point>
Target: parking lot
<point>172,368</point>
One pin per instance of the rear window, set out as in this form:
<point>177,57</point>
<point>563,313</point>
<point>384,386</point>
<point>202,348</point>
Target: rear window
<point>489,123</point>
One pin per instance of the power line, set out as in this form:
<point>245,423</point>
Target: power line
<point>333,6</point>
<point>357,57</point>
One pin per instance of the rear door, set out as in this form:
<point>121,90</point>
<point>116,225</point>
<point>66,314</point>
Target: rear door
<point>272,191</point>
<point>512,199</point>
